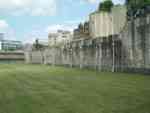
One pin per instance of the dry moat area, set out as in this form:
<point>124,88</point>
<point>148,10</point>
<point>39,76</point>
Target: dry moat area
<point>46,89</point>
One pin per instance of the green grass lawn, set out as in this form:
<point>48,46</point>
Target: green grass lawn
<point>45,89</point>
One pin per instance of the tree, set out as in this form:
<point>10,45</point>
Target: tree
<point>106,6</point>
<point>136,4</point>
<point>134,7</point>
<point>146,2</point>
<point>37,45</point>
<point>81,27</point>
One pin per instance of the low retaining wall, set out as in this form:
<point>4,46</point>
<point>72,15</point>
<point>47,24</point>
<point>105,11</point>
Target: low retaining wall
<point>9,57</point>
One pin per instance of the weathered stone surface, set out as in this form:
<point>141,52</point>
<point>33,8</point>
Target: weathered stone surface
<point>92,53</point>
<point>128,51</point>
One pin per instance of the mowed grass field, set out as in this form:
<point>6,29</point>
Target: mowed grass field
<point>45,89</point>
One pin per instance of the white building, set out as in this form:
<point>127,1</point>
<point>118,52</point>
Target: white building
<point>52,38</point>
<point>103,24</point>
<point>44,42</point>
<point>1,38</point>
<point>60,37</point>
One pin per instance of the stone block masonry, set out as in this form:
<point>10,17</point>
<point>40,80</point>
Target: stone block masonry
<point>90,53</point>
<point>127,51</point>
<point>136,44</point>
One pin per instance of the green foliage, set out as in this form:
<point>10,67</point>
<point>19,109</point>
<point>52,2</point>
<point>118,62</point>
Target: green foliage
<point>37,45</point>
<point>146,2</point>
<point>106,6</point>
<point>136,4</point>
<point>81,26</point>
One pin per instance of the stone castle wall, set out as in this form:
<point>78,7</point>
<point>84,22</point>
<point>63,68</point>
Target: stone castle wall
<point>136,43</point>
<point>92,53</point>
<point>128,51</point>
<point>104,24</point>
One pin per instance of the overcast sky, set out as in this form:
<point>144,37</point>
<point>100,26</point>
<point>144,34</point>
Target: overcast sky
<point>26,20</point>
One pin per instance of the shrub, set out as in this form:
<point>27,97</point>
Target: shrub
<point>106,6</point>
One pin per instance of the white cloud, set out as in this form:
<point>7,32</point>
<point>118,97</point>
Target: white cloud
<point>3,25</point>
<point>5,28</point>
<point>37,32</point>
<point>42,34</point>
<point>54,28</point>
<point>28,7</point>
<point>97,1</point>
<point>119,1</point>
<point>68,25</point>
<point>92,1</point>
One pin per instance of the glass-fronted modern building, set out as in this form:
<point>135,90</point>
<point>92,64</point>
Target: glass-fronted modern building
<point>9,45</point>
<point>1,36</point>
